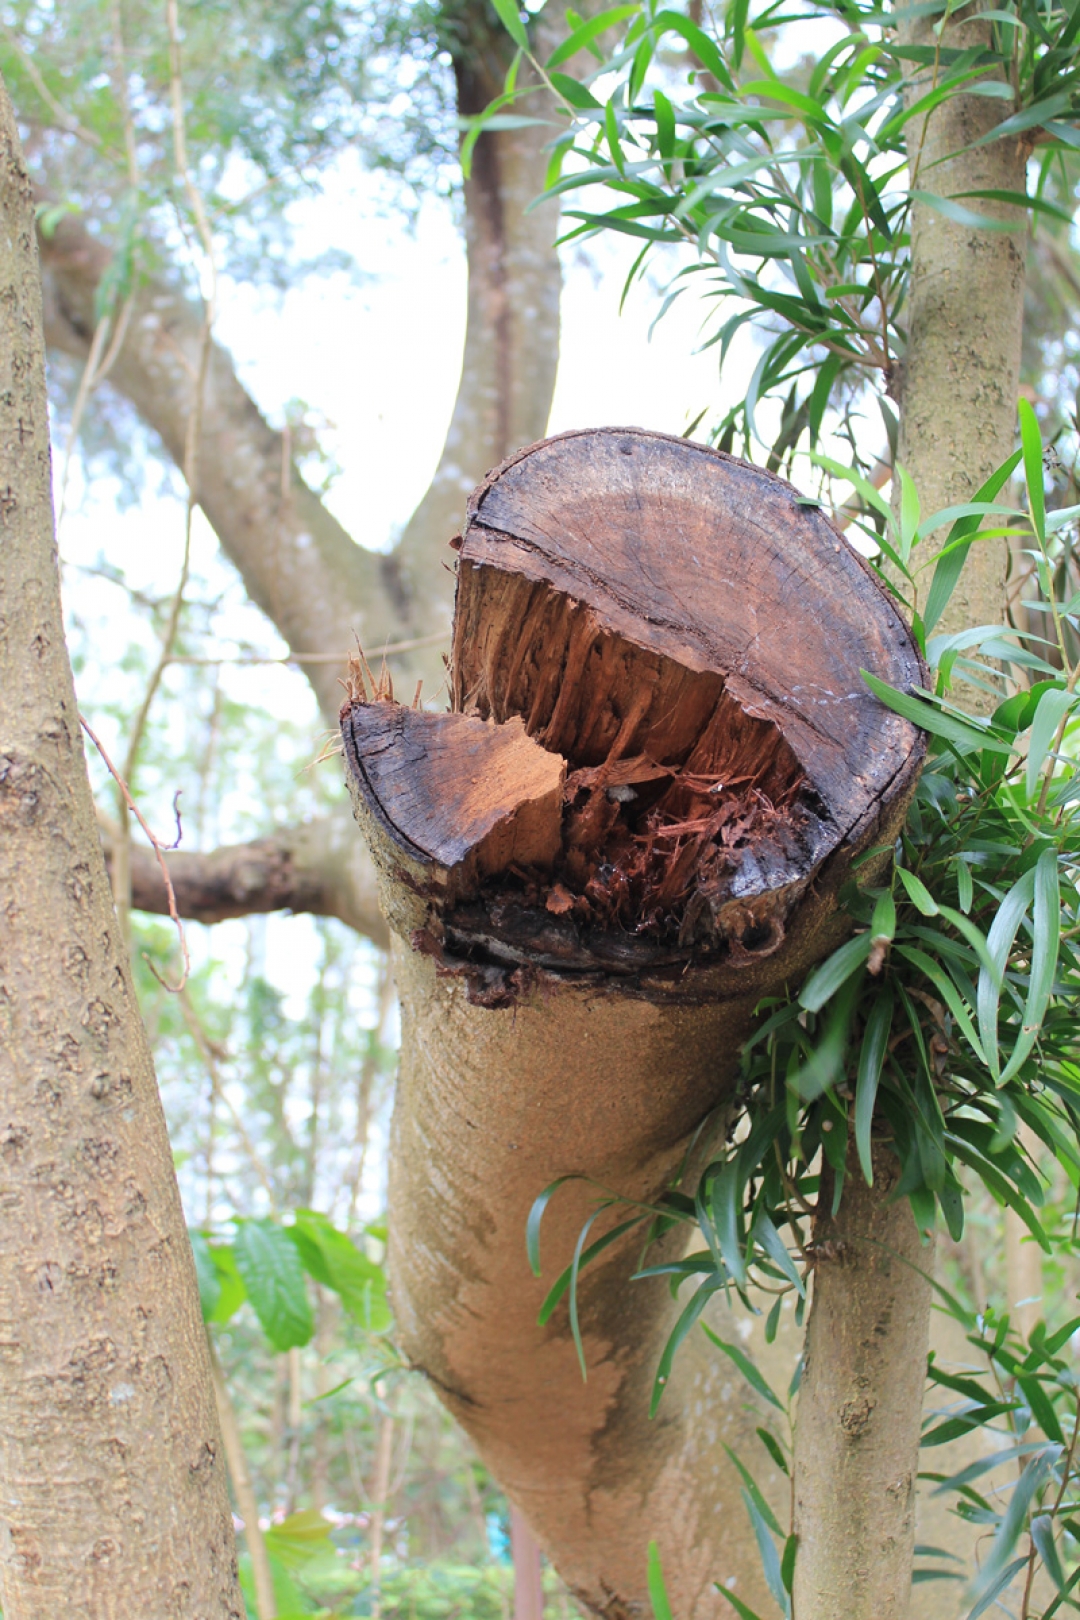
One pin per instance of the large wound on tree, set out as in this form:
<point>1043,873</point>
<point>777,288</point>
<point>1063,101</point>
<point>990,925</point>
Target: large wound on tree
<point>659,730</point>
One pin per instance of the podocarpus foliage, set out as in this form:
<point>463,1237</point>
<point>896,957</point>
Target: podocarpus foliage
<point>946,1021</point>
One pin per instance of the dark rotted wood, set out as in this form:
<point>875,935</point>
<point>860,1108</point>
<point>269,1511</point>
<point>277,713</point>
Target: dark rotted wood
<point>454,791</point>
<point>711,564</point>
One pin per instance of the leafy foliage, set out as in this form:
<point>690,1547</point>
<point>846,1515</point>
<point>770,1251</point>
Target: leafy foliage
<point>786,188</point>
<point>945,1022</point>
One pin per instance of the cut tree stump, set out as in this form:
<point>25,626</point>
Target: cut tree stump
<point>660,764</point>
<point>659,732</point>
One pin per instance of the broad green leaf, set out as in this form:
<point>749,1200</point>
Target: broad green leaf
<point>334,1260</point>
<point>267,1260</point>
<point>233,1293</point>
<point>206,1273</point>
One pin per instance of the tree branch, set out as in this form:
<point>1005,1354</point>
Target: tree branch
<point>318,867</point>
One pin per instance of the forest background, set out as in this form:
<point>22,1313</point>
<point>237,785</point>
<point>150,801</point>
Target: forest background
<point>315,204</point>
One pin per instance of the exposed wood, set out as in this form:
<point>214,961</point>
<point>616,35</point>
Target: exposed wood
<point>683,637</point>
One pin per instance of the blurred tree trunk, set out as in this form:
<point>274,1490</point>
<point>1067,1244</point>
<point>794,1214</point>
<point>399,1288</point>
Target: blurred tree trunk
<point>102,1339</point>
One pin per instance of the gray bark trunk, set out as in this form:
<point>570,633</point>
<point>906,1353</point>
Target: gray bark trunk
<point>101,1339</point>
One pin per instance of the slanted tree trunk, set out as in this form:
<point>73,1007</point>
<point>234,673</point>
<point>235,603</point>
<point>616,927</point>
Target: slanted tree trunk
<point>112,1475</point>
<point>860,1404</point>
<point>659,766</point>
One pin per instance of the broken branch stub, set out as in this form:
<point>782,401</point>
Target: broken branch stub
<point>660,741</point>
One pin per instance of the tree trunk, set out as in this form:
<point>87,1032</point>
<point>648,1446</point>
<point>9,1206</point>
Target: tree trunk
<point>957,389</point>
<point>960,373</point>
<point>659,766</point>
<point>102,1343</point>
<point>856,1446</point>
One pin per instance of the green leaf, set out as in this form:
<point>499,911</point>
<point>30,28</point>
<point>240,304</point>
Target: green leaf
<point>267,1260</point>
<point>510,18</point>
<point>687,1318</point>
<point>964,733</point>
<point>587,32</point>
<point>835,971</point>
<point>746,1367</point>
<point>754,1490</point>
<point>661,1608</point>
<point>909,512</point>
<point>1031,441</point>
<point>1053,706</point>
<point>960,539</point>
<point>724,1202</point>
<point>1012,1524</point>
<point>996,1588</point>
<point>1044,958</point>
<point>883,922</point>
<point>576,94</point>
<point>743,1610</point>
<point>1042,1534</point>
<point>233,1293</point>
<point>206,1274</point>
<point>871,1058</point>
<point>770,1558</point>
<point>1003,931</point>
<point>917,892</point>
<point>772,1446</point>
<point>334,1260</point>
<point>536,1215</point>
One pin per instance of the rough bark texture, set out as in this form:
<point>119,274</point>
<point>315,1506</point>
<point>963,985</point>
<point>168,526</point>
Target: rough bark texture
<point>685,640</point>
<point>112,1478</point>
<point>961,370</point>
<point>316,867</point>
<point>857,1434</point>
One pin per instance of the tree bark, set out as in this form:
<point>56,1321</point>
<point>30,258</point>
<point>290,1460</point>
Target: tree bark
<point>960,372</point>
<point>102,1343</point>
<point>652,643</point>
<point>856,1446</point>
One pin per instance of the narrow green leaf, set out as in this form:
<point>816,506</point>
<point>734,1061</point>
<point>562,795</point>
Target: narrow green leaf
<point>951,562</point>
<point>1010,915</point>
<point>1042,1534</point>
<point>661,1608</point>
<point>746,1367</point>
<point>1044,958</point>
<point>743,1610</point>
<point>1053,706</point>
<point>770,1558</point>
<point>996,1588</point>
<point>587,32</point>
<point>510,18</point>
<point>871,1058</point>
<point>688,1317</point>
<point>964,733</point>
<point>835,971</point>
<point>754,1490</point>
<point>772,1446</point>
<point>536,1215</point>
<point>917,892</point>
<point>1031,441</point>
